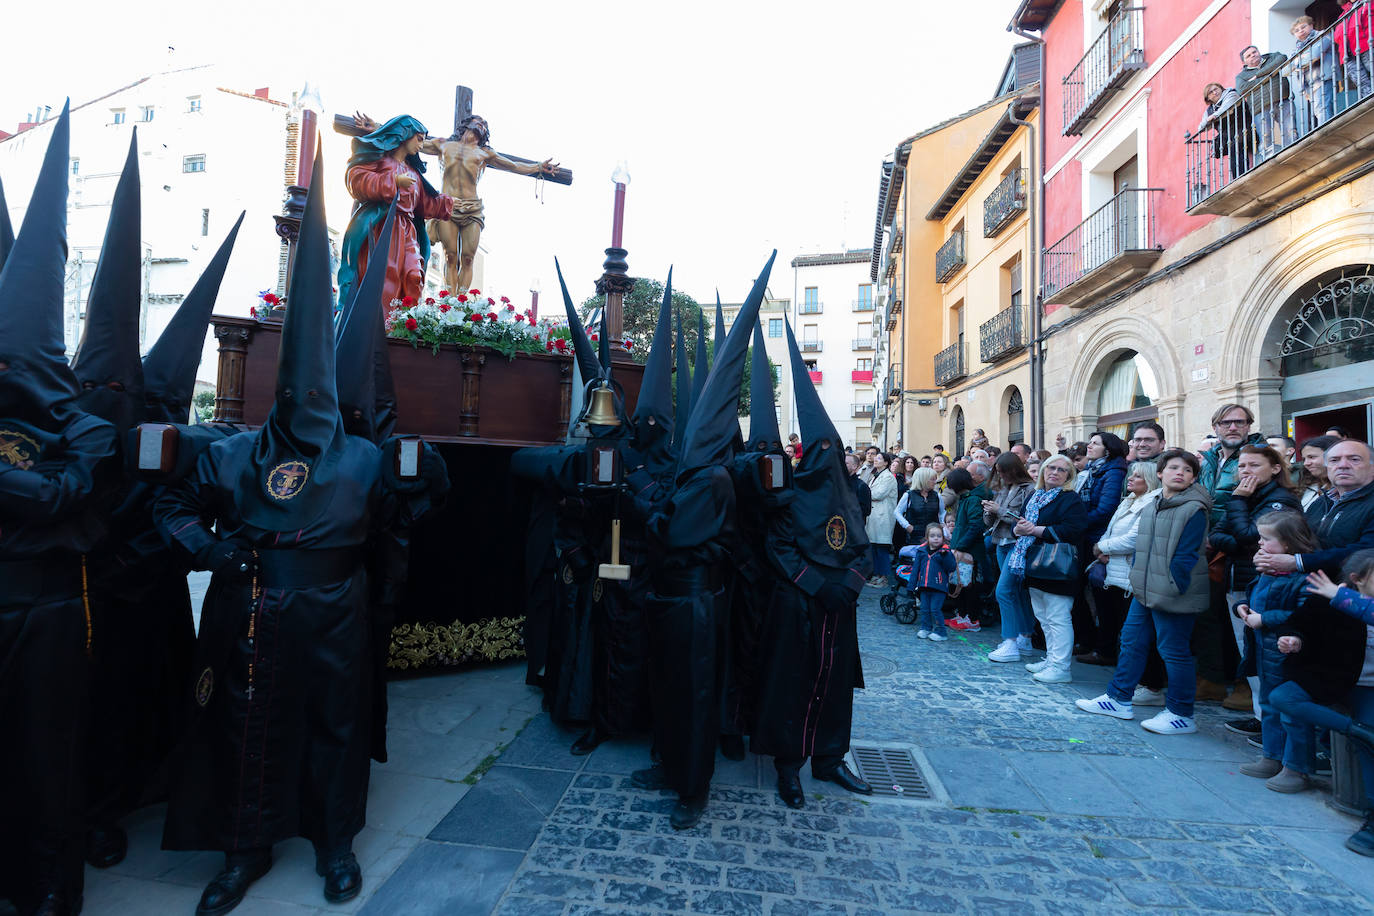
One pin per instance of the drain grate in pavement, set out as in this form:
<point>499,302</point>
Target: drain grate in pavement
<point>877,666</point>
<point>892,772</point>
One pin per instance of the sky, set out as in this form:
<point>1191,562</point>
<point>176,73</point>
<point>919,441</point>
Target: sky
<point>745,126</point>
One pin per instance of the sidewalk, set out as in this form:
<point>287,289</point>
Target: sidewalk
<point>1048,810</point>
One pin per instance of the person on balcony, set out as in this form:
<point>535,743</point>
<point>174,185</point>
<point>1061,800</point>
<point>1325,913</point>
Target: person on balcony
<point>1351,37</point>
<point>1231,118</point>
<point>1269,97</point>
<point>1314,76</point>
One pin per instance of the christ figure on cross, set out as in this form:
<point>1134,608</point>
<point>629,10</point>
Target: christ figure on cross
<point>465,156</point>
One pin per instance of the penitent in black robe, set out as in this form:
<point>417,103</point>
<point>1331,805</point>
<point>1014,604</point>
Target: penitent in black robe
<point>50,515</point>
<point>278,740</point>
<point>688,616</point>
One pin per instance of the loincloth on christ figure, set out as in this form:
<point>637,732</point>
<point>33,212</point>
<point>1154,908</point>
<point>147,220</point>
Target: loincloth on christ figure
<point>467,212</point>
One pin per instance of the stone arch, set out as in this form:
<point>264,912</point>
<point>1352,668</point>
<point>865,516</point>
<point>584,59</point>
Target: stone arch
<point>1249,367</point>
<point>958,434</point>
<point>1004,429</point>
<point>1095,357</point>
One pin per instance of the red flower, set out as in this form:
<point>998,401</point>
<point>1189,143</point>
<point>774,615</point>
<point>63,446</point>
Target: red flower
<point>474,317</point>
<point>505,298</point>
<point>490,301</point>
<point>491,316</point>
<point>548,346</point>
<point>629,344</point>
<point>407,302</point>
<point>271,298</point>
<point>519,318</point>
<point>462,297</point>
<point>474,292</point>
<point>429,301</point>
<point>595,338</point>
<point>412,324</point>
<point>444,307</point>
<point>509,307</point>
<point>443,293</point>
<point>561,345</point>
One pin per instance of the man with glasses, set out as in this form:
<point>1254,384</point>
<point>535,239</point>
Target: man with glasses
<point>1147,442</point>
<point>1217,656</point>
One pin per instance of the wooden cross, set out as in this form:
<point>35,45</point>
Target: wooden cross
<point>462,108</point>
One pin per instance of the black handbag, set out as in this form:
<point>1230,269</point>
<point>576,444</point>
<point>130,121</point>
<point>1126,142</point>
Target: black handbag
<point>1053,561</point>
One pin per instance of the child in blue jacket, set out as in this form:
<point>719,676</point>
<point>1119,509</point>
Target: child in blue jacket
<point>932,573</point>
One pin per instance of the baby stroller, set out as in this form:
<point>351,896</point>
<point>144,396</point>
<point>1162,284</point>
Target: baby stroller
<point>900,603</point>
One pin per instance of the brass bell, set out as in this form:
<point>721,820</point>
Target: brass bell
<point>602,409</point>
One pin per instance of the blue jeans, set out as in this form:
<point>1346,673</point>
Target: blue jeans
<point>1285,739</point>
<point>1173,632</point>
<point>932,614</point>
<point>882,560</point>
<point>1012,598</point>
<point>1296,705</point>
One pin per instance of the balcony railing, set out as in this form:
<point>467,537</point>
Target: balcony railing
<point>1117,52</point>
<point>810,308</point>
<point>861,376</point>
<point>865,343</point>
<point>1003,334</point>
<point>950,257</point>
<point>815,375</point>
<point>1115,244</point>
<point>894,382</point>
<point>861,410</point>
<point>1307,113</point>
<point>863,305</point>
<point>1006,201</point>
<point>811,346</point>
<point>950,364</point>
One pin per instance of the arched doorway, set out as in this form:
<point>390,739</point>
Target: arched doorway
<point>1016,417</point>
<point>1127,395</point>
<point>1326,353</point>
<point>958,431</point>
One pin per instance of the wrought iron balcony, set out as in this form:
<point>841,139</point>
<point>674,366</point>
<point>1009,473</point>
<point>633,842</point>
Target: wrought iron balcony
<point>1114,56</point>
<point>950,258</point>
<point>1289,132</point>
<point>1002,335</point>
<point>861,376</point>
<point>1110,248</point>
<point>810,308</point>
<point>861,410</point>
<point>950,364</point>
<point>894,382</point>
<point>1005,203</point>
<point>811,346</point>
<point>865,343</point>
<point>863,305</point>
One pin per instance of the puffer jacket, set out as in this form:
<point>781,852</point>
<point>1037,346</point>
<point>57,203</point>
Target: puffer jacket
<point>1118,541</point>
<point>931,569</point>
<point>1220,478</point>
<point>1102,494</point>
<point>1274,598</point>
<point>1238,535</point>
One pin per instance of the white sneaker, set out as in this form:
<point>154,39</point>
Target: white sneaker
<point>1053,676</point>
<point>923,634</point>
<point>1106,706</point>
<point>1006,652</point>
<point>1144,696</point>
<point>1166,723</point>
<point>1023,645</point>
<point>938,637</point>
<point>1035,667</point>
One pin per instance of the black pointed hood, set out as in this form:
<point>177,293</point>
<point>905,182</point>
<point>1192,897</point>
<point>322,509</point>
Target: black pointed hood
<point>107,363</point>
<point>290,477</point>
<point>653,416</point>
<point>6,230</point>
<point>588,366</point>
<point>683,411</point>
<point>355,345</point>
<point>38,386</point>
<point>826,520</point>
<point>169,369</point>
<point>719,339</point>
<point>701,364</point>
<point>714,424</point>
<point>763,413</point>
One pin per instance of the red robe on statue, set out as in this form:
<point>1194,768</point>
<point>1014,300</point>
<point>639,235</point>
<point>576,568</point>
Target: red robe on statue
<point>376,181</point>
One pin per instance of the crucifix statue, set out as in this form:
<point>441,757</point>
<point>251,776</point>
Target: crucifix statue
<point>465,156</point>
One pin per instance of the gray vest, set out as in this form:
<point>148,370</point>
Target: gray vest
<point>1161,527</point>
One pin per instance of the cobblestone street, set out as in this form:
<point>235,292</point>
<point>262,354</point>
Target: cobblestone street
<point>1040,808</point>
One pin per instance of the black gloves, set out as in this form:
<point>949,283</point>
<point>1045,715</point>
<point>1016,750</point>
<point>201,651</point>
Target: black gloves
<point>229,557</point>
<point>433,477</point>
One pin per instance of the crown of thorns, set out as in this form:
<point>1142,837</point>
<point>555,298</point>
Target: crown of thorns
<point>473,122</point>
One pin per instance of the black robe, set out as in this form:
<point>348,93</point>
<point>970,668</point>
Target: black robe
<point>809,661</point>
<point>570,667</point>
<point>279,736</point>
<point>751,585</point>
<point>50,514</point>
<point>688,613</point>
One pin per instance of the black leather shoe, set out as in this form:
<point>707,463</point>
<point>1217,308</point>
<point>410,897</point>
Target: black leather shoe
<point>224,893</point>
<point>590,740</point>
<point>652,778</point>
<point>790,790</point>
<point>688,812</point>
<point>342,877</point>
<point>732,747</point>
<point>842,777</point>
<point>106,846</point>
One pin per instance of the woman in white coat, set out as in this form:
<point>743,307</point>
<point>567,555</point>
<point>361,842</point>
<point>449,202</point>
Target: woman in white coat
<point>1112,591</point>
<point>883,488</point>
